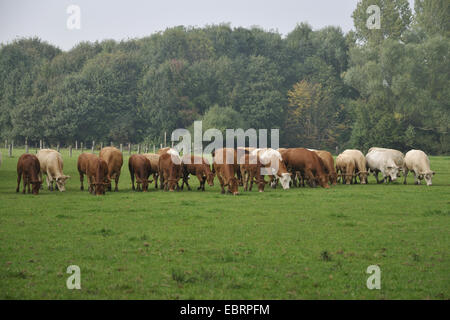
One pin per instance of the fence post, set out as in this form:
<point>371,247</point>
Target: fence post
<point>40,144</point>
<point>10,151</point>
<point>6,144</point>
<point>139,149</point>
<point>121,147</point>
<point>112,144</point>
<point>129,149</point>
<point>165,139</point>
<point>76,144</point>
<point>58,147</point>
<point>70,151</point>
<point>154,149</point>
<point>93,145</point>
<point>26,145</point>
<point>81,143</point>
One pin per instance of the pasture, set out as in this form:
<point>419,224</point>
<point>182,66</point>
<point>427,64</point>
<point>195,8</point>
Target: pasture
<point>301,243</point>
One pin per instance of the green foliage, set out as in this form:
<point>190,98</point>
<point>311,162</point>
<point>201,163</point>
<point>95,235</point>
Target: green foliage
<point>386,87</point>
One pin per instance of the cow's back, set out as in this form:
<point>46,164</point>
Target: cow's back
<point>417,160</point>
<point>113,158</point>
<point>154,161</point>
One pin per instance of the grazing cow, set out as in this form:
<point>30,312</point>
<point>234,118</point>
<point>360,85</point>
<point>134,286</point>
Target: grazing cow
<point>225,166</point>
<point>273,161</point>
<point>52,166</point>
<point>309,164</point>
<point>29,169</point>
<point>417,162</point>
<point>96,170</point>
<point>384,162</point>
<point>140,167</point>
<point>154,162</point>
<point>296,177</point>
<point>199,167</point>
<point>114,160</point>
<point>345,168</point>
<point>328,162</point>
<point>360,164</point>
<point>250,167</point>
<point>396,155</point>
<point>170,171</point>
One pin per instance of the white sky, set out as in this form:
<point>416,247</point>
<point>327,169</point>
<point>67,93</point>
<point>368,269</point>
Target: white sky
<point>112,19</point>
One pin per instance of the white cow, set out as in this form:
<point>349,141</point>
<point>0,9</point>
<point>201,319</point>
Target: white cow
<point>360,164</point>
<point>273,161</point>
<point>383,161</point>
<point>52,166</point>
<point>398,156</point>
<point>417,162</point>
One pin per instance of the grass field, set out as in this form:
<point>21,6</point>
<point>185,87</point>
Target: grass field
<point>301,243</point>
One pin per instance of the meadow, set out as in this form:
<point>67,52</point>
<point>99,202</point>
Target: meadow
<point>301,243</point>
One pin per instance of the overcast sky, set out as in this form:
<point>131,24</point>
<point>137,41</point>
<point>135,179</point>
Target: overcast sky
<point>112,19</point>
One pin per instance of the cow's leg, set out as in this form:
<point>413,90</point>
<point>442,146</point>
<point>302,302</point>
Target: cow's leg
<point>19,177</point>
<point>81,181</point>
<point>221,183</point>
<point>117,182</point>
<point>26,180</point>
<point>405,175</point>
<point>185,180</point>
<point>416,178</point>
<point>201,180</point>
<point>375,174</point>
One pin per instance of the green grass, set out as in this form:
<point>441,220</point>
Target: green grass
<point>295,244</point>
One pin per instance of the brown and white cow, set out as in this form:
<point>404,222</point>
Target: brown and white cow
<point>96,170</point>
<point>170,171</point>
<point>309,164</point>
<point>52,166</point>
<point>272,161</point>
<point>250,167</point>
<point>29,168</point>
<point>199,167</point>
<point>225,166</point>
<point>154,163</point>
<point>140,168</point>
<point>114,160</point>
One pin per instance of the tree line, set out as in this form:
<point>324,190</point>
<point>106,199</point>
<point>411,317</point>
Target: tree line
<point>322,88</point>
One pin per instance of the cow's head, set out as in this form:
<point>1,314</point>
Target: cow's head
<point>427,176</point>
<point>285,179</point>
<point>144,183</point>
<point>61,182</point>
<point>210,178</point>
<point>323,181</point>
<point>261,184</point>
<point>363,176</point>
<point>172,184</point>
<point>36,185</point>
<point>392,171</point>
<point>233,186</point>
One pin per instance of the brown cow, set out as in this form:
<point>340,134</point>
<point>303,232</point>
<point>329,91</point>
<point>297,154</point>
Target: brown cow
<point>226,170</point>
<point>114,160</point>
<point>296,177</point>
<point>309,164</point>
<point>29,168</point>
<point>199,167</point>
<point>96,170</point>
<point>328,161</point>
<point>154,162</point>
<point>140,167</point>
<point>250,166</point>
<point>170,171</point>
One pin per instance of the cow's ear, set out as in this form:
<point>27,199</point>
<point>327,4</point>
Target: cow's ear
<point>433,173</point>
<point>66,177</point>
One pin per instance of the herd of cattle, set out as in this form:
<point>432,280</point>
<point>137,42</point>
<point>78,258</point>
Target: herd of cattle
<point>233,168</point>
